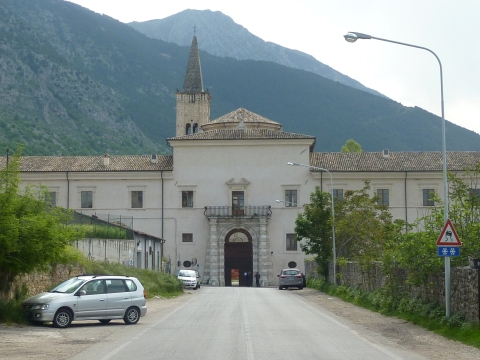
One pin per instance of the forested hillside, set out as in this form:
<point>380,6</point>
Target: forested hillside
<point>76,82</point>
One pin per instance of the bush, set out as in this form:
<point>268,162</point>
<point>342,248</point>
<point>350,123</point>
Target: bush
<point>11,312</point>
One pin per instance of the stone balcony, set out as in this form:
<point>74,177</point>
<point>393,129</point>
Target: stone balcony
<point>238,212</point>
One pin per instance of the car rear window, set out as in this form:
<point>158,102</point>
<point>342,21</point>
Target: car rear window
<point>131,286</point>
<point>291,272</point>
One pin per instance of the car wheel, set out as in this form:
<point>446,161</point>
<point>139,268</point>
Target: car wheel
<point>280,288</point>
<point>105,321</point>
<point>300,288</point>
<point>131,316</point>
<point>63,318</point>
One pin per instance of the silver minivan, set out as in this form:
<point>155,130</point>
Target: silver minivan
<point>89,297</point>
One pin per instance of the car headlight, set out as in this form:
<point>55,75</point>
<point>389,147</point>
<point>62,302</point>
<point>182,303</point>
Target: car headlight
<point>40,307</point>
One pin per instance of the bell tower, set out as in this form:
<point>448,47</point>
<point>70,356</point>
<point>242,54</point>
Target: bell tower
<point>193,103</point>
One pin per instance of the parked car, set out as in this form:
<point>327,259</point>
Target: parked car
<point>290,278</point>
<point>89,297</point>
<point>190,279</point>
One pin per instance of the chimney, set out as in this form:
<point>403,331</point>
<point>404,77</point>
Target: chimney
<point>154,159</point>
<point>386,153</point>
<point>106,159</point>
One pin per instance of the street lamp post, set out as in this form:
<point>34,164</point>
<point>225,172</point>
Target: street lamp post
<point>354,36</point>
<point>333,216</point>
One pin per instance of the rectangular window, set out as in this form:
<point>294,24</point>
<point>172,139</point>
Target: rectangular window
<point>187,198</point>
<point>51,198</point>
<point>291,243</point>
<point>238,203</point>
<point>187,238</point>
<point>290,198</point>
<point>475,193</point>
<point>383,197</point>
<point>87,199</point>
<point>338,194</point>
<point>137,199</point>
<point>428,195</point>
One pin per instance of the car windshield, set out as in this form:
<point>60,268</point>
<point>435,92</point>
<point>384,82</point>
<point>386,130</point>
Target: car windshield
<point>186,274</point>
<point>68,286</point>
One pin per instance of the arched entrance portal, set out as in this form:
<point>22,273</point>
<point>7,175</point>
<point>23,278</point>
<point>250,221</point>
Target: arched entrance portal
<point>238,258</point>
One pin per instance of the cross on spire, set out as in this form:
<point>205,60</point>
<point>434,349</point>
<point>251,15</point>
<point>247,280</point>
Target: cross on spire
<point>194,30</point>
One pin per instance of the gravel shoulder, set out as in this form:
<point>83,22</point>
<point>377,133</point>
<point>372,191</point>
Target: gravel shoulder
<point>43,342</point>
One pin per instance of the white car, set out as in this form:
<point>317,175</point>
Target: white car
<point>190,279</point>
<point>91,297</point>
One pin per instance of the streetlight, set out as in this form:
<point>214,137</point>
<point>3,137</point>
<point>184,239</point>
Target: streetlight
<point>333,216</point>
<point>354,36</point>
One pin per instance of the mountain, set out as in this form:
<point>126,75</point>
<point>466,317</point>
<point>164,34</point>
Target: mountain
<point>73,82</point>
<point>221,36</point>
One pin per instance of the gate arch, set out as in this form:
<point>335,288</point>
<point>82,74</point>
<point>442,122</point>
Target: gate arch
<point>238,256</point>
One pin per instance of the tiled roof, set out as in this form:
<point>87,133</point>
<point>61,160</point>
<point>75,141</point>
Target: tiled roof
<point>241,134</point>
<point>92,163</point>
<point>243,114</point>
<point>396,161</point>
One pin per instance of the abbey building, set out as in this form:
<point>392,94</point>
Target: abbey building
<point>214,200</point>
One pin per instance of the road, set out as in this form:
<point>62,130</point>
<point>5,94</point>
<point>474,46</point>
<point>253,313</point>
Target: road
<point>244,324</point>
<point>237,323</point>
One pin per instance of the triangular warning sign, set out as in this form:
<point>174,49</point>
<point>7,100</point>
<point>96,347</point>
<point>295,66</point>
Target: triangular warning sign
<point>448,236</point>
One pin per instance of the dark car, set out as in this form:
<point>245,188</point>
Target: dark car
<point>290,278</point>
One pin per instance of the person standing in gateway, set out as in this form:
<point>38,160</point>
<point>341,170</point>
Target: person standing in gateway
<point>257,279</point>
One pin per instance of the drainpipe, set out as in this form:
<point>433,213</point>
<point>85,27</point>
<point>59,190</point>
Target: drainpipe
<point>406,203</point>
<point>68,191</point>
<point>161,240</point>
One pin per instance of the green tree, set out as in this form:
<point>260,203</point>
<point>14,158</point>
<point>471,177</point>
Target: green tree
<point>33,234</point>
<point>362,225</point>
<point>351,146</point>
<point>314,226</point>
<point>413,248</point>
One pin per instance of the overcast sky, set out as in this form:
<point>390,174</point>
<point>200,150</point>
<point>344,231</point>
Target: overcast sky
<point>407,75</point>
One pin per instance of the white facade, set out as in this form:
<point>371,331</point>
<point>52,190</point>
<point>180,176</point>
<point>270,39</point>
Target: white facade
<point>214,199</point>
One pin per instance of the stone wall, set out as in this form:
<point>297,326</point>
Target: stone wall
<point>35,283</point>
<point>464,285</point>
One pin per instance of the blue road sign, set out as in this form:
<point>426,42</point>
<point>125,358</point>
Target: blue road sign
<point>448,251</point>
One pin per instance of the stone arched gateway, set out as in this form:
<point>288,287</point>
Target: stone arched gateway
<point>238,255</point>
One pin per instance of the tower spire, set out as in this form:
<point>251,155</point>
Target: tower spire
<point>193,103</point>
<point>193,78</point>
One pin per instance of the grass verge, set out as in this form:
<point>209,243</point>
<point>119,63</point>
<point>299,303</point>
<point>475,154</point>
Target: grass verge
<point>429,316</point>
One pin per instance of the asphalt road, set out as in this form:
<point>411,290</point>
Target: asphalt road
<point>244,323</point>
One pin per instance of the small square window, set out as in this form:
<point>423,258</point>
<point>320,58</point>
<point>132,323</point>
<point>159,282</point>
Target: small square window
<point>338,194</point>
<point>475,193</point>
<point>87,199</point>
<point>291,243</point>
<point>137,199</point>
<point>383,197</point>
<point>290,198</point>
<point>51,198</point>
<point>187,238</point>
<point>428,195</point>
<point>187,198</point>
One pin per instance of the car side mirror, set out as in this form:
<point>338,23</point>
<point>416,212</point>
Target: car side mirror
<point>278,275</point>
<point>82,293</point>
